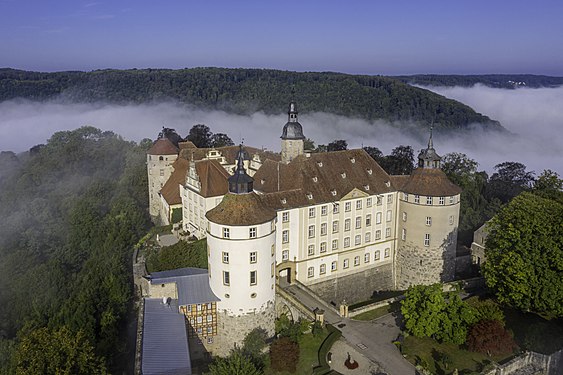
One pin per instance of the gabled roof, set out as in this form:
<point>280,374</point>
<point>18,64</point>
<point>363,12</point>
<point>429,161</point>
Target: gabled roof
<point>192,284</point>
<point>320,178</point>
<point>171,189</point>
<point>165,342</point>
<point>213,178</point>
<point>230,153</point>
<point>163,146</point>
<point>241,209</point>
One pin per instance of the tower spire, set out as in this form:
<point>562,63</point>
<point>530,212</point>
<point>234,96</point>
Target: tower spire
<point>240,182</point>
<point>430,143</point>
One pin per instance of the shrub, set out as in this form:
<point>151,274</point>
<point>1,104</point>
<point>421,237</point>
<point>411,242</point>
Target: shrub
<point>491,338</point>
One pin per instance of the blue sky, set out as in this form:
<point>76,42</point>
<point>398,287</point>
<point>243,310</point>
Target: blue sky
<point>368,37</point>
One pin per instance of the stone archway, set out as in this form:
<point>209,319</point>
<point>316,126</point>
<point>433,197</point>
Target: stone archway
<point>285,273</point>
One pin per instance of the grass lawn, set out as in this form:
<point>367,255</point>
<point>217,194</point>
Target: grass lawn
<point>308,349</point>
<point>379,312</point>
<point>430,352</point>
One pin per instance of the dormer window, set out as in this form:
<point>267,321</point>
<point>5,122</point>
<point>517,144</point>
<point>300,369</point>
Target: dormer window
<point>309,196</point>
<point>353,160</point>
<point>315,179</point>
<point>388,183</point>
<point>333,192</point>
<point>284,201</point>
<point>370,171</point>
<point>320,163</point>
<point>366,187</point>
<point>343,174</point>
<point>262,181</point>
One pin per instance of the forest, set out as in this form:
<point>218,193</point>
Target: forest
<point>71,211</point>
<point>501,81</point>
<point>245,91</point>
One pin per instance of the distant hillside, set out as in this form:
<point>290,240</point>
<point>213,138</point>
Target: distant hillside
<point>248,90</point>
<point>505,81</point>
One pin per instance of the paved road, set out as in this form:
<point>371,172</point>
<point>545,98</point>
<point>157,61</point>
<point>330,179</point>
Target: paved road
<point>372,339</point>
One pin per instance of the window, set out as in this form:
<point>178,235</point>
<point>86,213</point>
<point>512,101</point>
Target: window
<point>334,244</point>
<point>161,172</point>
<point>311,212</point>
<point>208,306</point>
<point>199,331</point>
<point>273,249</point>
<point>357,260</point>
<point>285,255</point>
<point>366,258</point>
<point>389,215</point>
<point>252,277</point>
<point>225,257</point>
<point>226,278</point>
<point>378,218</point>
<point>358,222</point>
<point>387,252</point>
<point>323,211</point>
<point>429,200</point>
<point>345,265</point>
<point>323,247</point>
<point>428,221</point>
<point>311,231</point>
<point>199,319</point>
<point>368,202</point>
<point>377,234</point>
<point>347,225</point>
<point>311,250</point>
<point>441,200</point>
<point>376,255</point>
<point>389,199</point>
<point>403,234</point>
<point>346,241</point>
<point>405,197</point>
<point>347,206</point>
<point>226,233</point>
<point>404,216</point>
<point>335,207</point>
<point>335,226</point>
<point>358,239</point>
<point>272,269</point>
<point>451,220</point>
<point>333,266</point>
<point>285,236</point>
<point>252,232</point>
<point>310,272</point>
<point>285,217</point>
<point>368,220</point>
<point>253,257</point>
<point>387,232</point>
<point>323,229</point>
<point>209,318</point>
<point>367,237</point>
<point>210,338</point>
<point>322,269</point>
<point>451,200</point>
<point>417,199</point>
<point>358,204</point>
<point>427,239</point>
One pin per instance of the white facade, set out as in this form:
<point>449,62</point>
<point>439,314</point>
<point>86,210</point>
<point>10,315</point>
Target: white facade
<point>242,266</point>
<point>159,169</point>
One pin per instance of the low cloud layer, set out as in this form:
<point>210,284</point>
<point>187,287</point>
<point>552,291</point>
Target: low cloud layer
<point>533,115</point>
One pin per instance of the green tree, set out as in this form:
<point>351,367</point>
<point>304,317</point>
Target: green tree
<point>422,310</point>
<point>400,161</point>
<point>549,185</point>
<point>221,140</point>
<point>200,135</point>
<point>308,144</point>
<point>337,145</point>
<point>235,364</point>
<point>509,180</point>
<point>46,352</point>
<point>524,252</point>
<point>375,153</point>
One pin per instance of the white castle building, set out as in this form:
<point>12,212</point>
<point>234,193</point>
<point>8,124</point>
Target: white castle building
<point>335,222</point>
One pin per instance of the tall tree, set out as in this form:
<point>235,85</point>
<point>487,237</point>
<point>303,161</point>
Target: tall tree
<point>221,140</point>
<point>200,135</point>
<point>235,364</point>
<point>375,153</point>
<point>337,145</point>
<point>509,180</point>
<point>524,254</point>
<point>400,161</point>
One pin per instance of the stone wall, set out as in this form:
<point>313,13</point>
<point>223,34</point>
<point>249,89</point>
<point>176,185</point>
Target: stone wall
<point>531,363</point>
<point>355,287</point>
<point>291,306</point>
<point>233,329</point>
<point>417,266</point>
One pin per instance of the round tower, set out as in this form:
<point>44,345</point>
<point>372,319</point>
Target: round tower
<point>427,224</point>
<point>160,158</point>
<point>292,136</point>
<point>241,250</point>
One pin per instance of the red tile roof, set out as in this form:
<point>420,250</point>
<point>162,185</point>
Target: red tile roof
<point>163,146</point>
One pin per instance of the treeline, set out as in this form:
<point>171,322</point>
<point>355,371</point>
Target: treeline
<point>504,81</point>
<point>71,212</point>
<point>245,91</point>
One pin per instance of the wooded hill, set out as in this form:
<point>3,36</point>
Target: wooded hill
<point>245,91</point>
<point>504,81</point>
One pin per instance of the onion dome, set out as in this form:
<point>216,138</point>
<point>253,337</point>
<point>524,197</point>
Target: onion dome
<point>429,158</point>
<point>240,182</point>
<point>292,129</point>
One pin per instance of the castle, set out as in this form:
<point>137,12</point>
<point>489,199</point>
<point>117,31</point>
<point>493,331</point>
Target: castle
<point>334,222</point>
